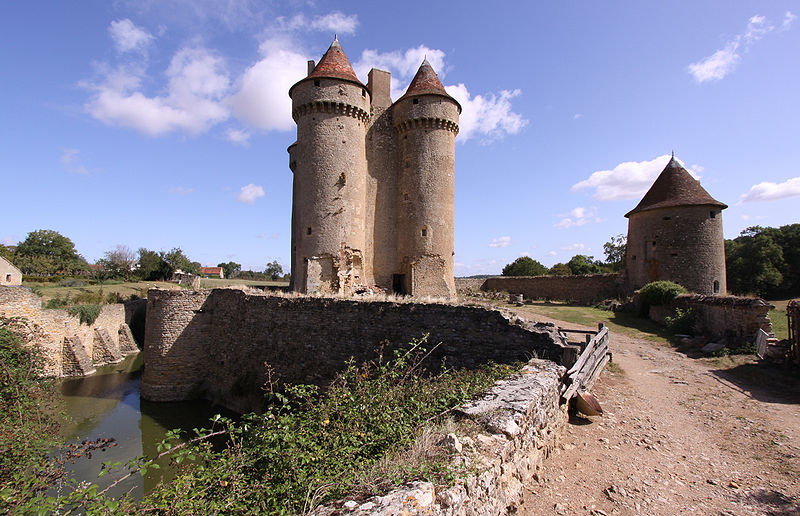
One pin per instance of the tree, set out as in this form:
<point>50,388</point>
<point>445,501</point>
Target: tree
<point>176,259</point>
<point>560,269</point>
<point>524,266</point>
<point>6,252</point>
<point>582,264</point>
<point>274,270</point>
<point>754,262</point>
<point>614,250</point>
<point>119,262</point>
<point>152,266</point>
<point>47,252</point>
<point>231,269</point>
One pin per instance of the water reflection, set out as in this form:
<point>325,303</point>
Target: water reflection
<point>107,404</point>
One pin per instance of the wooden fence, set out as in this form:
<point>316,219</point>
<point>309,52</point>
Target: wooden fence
<point>590,363</point>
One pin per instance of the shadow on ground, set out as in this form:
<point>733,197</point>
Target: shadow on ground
<point>764,381</point>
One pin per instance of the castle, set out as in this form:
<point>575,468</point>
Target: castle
<point>675,234</point>
<point>374,181</point>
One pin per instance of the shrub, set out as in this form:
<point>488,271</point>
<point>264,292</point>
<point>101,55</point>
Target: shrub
<point>660,292</point>
<point>58,302</point>
<point>86,313</point>
<point>682,322</point>
<point>89,298</point>
<point>113,297</point>
<point>71,282</point>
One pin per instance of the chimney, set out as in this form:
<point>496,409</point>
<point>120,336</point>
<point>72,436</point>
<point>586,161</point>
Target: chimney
<point>311,66</point>
<point>380,85</point>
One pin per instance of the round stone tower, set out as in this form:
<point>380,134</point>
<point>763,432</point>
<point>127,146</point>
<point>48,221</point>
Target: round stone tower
<point>426,120</point>
<point>675,234</point>
<point>331,109</point>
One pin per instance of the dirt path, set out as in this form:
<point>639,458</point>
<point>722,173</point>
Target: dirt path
<point>679,436</point>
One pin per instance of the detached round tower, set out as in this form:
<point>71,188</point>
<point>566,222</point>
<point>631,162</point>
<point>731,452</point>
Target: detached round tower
<point>331,109</point>
<point>426,121</point>
<point>675,234</point>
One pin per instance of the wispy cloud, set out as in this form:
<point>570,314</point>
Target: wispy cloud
<point>724,61</point>
<point>249,193</point>
<point>628,180</point>
<point>71,163</point>
<point>768,191</point>
<point>574,247</point>
<point>127,37</point>
<point>503,241</point>
<point>578,217</point>
<point>181,190</point>
<point>335,22</point>
<point>238,136</point>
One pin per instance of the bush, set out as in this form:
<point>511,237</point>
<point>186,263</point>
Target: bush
<point>89,298</point>
<point>113,297</point>
<point>71,282</point>
<point>86,313</point>
<point>58,302</point>
<point>660,293</point>
<point>681,323</point>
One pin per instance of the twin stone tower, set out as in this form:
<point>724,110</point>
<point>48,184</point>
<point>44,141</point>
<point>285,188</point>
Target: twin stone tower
<point>374,189</point>
<point>374,181</point>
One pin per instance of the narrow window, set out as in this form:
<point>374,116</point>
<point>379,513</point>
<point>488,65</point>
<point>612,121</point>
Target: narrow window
<point>8,278</point>
<point>405,196</point>
<point>667,218</point>
<point>713,214</point>
<point>416,101</point>
<point>316,82</point>
<point>634,258</point>
<point>424,232</point>
<point>308,230</point>
<point>654,243</point>
<point>363,92</point>
<point>716,287</point>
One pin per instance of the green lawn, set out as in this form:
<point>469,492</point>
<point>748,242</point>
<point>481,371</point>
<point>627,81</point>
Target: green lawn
<point>220,283</point>
<point>49,291</point>
<point>780,326</point>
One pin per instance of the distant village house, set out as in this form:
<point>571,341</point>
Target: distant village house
<point>212,272</point>
<point>10,276</point>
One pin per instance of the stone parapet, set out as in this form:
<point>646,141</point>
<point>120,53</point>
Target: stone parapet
<point>584,289</point>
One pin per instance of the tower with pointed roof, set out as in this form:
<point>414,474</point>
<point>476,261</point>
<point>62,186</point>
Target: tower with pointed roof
<point>373,190</point>
<point>675,234</point>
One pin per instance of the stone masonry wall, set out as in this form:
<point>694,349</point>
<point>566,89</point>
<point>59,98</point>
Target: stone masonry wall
<point>585,289</point>
<point>59,328</point>
<point>520,421</point>
<point>732,318</point>
<point>218,344</point>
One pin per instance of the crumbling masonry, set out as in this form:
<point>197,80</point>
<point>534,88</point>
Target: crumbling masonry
<point>373,192</point>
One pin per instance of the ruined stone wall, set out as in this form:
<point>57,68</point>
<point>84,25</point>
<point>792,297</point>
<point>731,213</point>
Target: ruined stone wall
<point>217,344</point>
<point>520,421</point>
<point>585,289</point>
<point>683,244</point>
<point>60,329</point>
<point>465,286</point>
<point>733,319</point>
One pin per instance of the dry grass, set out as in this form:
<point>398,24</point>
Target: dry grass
<point>49,291</point>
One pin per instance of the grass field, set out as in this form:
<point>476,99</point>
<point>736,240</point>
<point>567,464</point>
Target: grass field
<point>221,283</point>
<point>780,325</point>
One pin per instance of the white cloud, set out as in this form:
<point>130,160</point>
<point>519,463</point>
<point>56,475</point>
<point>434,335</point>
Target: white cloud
<point>576,116</point>
<point>197,83</point>
<point>578,217</point>
<point>250,193</point>
<point>503,241</point>
<point>574,247</point>
<point>181,190</point>
<point>128,37</point>
<point>724,61</point>
<point>238,136</point>
<point>490,116</point>
<point>262,101</point>
<point>335,23</point>
<point>768,191</point>
<point>70,162</point>
<point>628,180</point>
<point>551,253</point>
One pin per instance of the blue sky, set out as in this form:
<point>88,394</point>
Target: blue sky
<point>165,124</point>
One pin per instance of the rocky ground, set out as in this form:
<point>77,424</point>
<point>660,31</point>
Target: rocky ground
<point>679,435</point>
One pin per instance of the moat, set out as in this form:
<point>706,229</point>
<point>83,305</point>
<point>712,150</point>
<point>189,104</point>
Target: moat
<point>107,404</point>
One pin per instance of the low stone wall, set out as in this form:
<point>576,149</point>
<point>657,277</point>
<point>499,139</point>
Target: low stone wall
<point>585,289</point>
<point>57,330</point>
<point>732,319</point>
<point>520,421</point>
<point>224,344</point>
<point>466,286</point>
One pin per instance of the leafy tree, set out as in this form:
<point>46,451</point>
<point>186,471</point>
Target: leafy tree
<point>231,269</point>
<point>119,262</point>
<point>6,252</point>
<point>524,266</point>
<point>614,250</point>
<point>152,266</point>
<point>47,252</point>
<point>754,262</point>
<point>582,264</point>
<point>560,269</point>
<point>274,270</point>
<point>176,259</point>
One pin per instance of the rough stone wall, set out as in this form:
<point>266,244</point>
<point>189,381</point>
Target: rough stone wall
<point>330,171</point>
<point>733,319</point>
<point>520,421</point>
<point>217,343</point>
<point>585,289</point>
<point>59,328</point>
<point>426,130</point>
<point>683,244</point>
<point>465,286</point>
<point>10,276</point>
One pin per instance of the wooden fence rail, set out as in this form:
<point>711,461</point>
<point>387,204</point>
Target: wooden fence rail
<point>587,368</point>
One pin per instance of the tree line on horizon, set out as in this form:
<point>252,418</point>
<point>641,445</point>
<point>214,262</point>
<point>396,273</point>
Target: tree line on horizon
<point>47,253</point>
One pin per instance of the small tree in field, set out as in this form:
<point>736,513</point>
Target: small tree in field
<point>274,270</point>
<point>524,266</point>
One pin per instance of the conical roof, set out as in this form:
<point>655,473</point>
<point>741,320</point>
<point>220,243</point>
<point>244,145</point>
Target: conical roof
<point>334,64</point>
<point>675,187</point>
<point>426,82</point>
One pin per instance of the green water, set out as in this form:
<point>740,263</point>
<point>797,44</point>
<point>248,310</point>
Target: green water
<point>107,404</point>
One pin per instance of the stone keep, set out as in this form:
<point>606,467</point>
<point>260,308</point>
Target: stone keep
<point>374,181</point>
<point>675,234</point>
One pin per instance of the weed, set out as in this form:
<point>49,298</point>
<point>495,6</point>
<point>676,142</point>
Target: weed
<point>86,313</point>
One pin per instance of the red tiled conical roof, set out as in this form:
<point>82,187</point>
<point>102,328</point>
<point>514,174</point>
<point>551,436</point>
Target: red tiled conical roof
<point>675,187</point>
<point>335,64</point>
<point>426,82</point>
